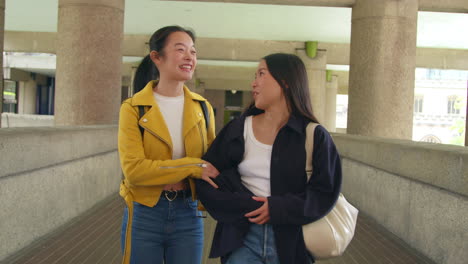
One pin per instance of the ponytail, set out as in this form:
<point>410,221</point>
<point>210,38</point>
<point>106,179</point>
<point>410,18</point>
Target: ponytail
<point>145,73</point>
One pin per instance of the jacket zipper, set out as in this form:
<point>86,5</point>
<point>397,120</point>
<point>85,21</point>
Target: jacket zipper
<point>185,165</point>
<point>202,137</point>
<point>149,131</point>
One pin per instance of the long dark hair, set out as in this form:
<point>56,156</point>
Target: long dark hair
<point>147,70</point>
<point>290,73</point>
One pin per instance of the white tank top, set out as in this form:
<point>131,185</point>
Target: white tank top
<point>255,166</point>
<point>172,109</point>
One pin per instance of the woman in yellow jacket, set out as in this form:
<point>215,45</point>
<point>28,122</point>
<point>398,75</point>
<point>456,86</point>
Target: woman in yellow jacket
<point>163,132</point>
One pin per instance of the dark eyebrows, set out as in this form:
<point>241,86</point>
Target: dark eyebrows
<point>179,43</point>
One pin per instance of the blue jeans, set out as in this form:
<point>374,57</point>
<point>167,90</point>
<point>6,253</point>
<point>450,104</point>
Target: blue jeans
<point>171,232</point>
<point>259,247</point>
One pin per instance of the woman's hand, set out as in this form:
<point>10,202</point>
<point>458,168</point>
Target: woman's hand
<point>262,214</point>
<point>209,171</point>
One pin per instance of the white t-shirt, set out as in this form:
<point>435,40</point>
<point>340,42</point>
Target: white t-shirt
<point>172,109</point>
<point>255,167</point>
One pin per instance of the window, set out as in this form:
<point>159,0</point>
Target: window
<point>453,105</point>
<point>10,96</point>
<point>418,104</point>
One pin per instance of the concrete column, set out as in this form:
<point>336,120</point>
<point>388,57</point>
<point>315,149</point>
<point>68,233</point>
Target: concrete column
<point>2,30</point>
<point>316,73</point>
<point>382,65</point>
<point>89,61</point>
<point>466,117</point>
<point>330,110</point>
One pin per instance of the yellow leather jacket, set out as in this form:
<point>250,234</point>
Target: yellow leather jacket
<point>147,163</point>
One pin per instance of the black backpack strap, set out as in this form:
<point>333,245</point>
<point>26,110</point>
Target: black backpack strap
<point>141,110</point>
<point>206,114</point>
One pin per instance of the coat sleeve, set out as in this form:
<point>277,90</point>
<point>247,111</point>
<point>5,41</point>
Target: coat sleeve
<point>321,192</point>
<point>231,201</point>
<point>141,171</point>
<point>226,204</point>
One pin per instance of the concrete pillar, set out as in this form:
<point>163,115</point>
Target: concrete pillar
<point>330,110</point>
<point>316,73</point>
<point>382,65</point>
<point>89,61</point>
<point>2,30</point>
<point>466,117</point>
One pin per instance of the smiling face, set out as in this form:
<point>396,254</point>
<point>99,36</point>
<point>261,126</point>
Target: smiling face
<point>178,58</point>
<point>265,89</point>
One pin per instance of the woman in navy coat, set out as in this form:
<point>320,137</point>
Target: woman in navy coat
<point>263,197</point>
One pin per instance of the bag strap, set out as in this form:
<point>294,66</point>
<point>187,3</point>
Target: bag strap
<point>206,114</point>
<point>309,146</point>
<point>141,110</point>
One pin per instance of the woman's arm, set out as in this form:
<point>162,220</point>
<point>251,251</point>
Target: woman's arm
<point>139,170</point>
<point>231,200</point>
<point>227,203</point>
<point>322,190</point>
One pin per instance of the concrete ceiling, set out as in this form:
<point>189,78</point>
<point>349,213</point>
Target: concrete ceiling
<point>242,21</point>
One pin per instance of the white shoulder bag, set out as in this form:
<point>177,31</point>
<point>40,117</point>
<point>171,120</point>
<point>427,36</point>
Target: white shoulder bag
<point>329,236</point>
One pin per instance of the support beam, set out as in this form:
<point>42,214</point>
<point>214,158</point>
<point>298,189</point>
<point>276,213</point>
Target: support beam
<point>238,50</point>
<point>225,72</point>
<point>329,3</point>
<point>453,6</point>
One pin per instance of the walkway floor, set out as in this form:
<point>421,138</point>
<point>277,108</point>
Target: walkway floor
<point>94,238</point>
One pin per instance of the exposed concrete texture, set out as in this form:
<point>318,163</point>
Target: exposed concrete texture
<point>49,146</point>
<point>330,3</point>
<point>381,78</point>
<point>26,120</point>
<point>225,84</point>
<point>225,72</point>
<point>50,175</point>
<point>36,202</point>
<point>442,166</point>
<point>442,58</point>
<point>343,81</point>
<point>330,107</point>
<point>455,6</point>
<point>316,73</point>
<point>217,100</point>
<point>428,218</point>
<point>2,30</point>
<point>337,53</point>
<point>90,36</point>
<point>209,229</point>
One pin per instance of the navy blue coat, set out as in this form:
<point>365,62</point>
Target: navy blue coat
<point>293,201</point>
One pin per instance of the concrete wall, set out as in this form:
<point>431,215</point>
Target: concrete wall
<point>50,175</point>
<point>18,120</point>
<point>418,191</point>
<point>27,97</point>
<point>216,99</point>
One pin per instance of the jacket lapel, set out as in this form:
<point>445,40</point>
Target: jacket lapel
<point>152,120</point>
<point>192,111</point>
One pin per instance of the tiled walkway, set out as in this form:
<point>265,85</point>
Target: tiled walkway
<point>94,238</point>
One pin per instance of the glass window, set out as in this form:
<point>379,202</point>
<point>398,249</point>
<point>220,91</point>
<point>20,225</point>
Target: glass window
<point>418,104</point>
<point>10,96</point>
